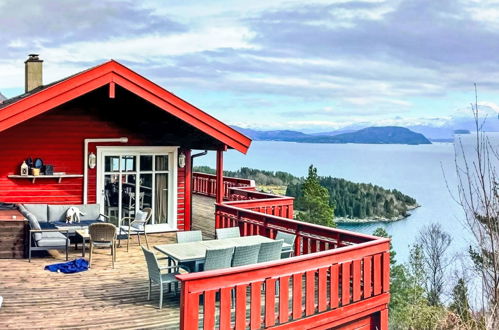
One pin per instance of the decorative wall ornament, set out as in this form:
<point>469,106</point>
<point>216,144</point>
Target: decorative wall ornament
<point>181,160</point>
<point>24,169</point>
<point>92,160</point>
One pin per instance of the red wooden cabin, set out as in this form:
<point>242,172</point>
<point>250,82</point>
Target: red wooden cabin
<point>117,139</point>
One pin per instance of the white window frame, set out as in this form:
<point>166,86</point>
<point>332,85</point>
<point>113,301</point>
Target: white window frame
<point>171,151</point>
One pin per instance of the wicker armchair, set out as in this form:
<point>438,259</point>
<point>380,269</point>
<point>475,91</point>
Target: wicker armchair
<point>288,245</point>
<point>245,255</point>
<point>230,232</point>
<point>135,225</point>
<point>270,251</point>
<point>218,258</point>
<point>157,274</point>
<point>189,236</point>
<point>102,235</point>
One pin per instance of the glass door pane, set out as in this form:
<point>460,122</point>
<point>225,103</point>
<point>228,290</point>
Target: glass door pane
<point>111,197</point>
<point>128,163</point>
<point>128,195</point>
<point>145,163</point>
<point>146,192</point>
<point>161,198</point>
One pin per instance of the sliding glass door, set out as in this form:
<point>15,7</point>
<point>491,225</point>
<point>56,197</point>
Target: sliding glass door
<point>138,178</point>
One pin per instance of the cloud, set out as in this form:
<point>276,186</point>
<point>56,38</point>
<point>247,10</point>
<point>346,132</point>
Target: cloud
<point>364,59</point>
<point>58,22</point>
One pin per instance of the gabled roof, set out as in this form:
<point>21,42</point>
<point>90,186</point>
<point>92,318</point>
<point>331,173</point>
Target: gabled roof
<point>26,106</point>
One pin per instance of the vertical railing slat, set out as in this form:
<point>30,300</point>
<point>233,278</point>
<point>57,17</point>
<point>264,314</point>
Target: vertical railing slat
<point>309,292</point>
<point>386,271</point>
<point>345,283</point>
<point>256,304</point>
<point>367,277</point>
<point>334,286</point>
<point>284,299</point>
<point>377,274</point>
<point>209,310</point>
<point>356,277</point>
<point>270,302</point>
<point>225,308</point>
<point>322,287</point>
<point>297,298</point>
<point>241,306</point>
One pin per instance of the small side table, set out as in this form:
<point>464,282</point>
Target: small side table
<point>85,237</point>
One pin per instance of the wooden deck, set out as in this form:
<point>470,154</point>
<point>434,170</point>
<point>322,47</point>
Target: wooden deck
<point>99,298</point>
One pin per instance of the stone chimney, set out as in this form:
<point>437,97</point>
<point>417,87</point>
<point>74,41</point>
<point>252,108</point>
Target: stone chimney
<point>33,72</point>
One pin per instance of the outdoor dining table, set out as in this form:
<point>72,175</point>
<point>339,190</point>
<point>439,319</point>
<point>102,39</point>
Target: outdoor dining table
<point>196,251</point>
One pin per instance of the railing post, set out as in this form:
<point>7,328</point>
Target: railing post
<point>189,305</point>
<point>383,319</point>
<point>188,191</point>
<point>220,176</point>
<point>217,217</point>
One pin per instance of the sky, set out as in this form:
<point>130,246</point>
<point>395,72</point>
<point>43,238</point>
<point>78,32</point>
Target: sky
<point>275,64</point>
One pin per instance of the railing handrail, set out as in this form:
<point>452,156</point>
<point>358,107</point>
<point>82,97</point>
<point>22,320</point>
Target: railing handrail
<point>299,223</point>
<point>245,191</point>
<point>249,182</point>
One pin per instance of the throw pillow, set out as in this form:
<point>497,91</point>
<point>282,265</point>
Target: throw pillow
<point>141,215</point>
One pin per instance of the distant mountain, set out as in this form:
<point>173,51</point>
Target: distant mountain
<point>278,135</point>
<point>2,98</point>
<point>370,135</point>
<point>382,135</point>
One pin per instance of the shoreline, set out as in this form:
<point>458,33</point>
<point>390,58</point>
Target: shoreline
<point>375,219</point>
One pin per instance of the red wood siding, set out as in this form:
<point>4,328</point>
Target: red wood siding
<point>57,137</point>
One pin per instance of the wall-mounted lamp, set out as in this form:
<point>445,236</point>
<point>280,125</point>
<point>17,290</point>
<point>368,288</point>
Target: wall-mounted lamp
<point>181,160</point>
<point>92,160</point>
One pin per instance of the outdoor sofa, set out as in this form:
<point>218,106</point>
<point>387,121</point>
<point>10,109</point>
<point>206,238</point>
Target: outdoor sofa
<point>48,227</point>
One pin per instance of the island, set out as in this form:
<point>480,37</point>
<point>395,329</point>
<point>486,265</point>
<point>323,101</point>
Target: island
<point>353,202</point>
<point>369,135</point>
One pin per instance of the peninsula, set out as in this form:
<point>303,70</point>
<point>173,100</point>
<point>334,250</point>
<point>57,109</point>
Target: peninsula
<point>353,202</point>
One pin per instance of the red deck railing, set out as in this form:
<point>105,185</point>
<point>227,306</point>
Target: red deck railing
<point>336,276</point>
<point>206,184</point>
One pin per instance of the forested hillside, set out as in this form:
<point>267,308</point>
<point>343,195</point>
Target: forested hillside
<point>359,200</point>
<point>351,200</point>
<point>261,177</point>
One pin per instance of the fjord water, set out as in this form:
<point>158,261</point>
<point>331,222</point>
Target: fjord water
<point>415,170</point>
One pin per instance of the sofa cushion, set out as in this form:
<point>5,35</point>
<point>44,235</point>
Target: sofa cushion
<point>58,212</point>
<point>38,210</point>
<point>52,239</point>
<point>92,211</point>
<point>47,225</point>
<point>33,224</point>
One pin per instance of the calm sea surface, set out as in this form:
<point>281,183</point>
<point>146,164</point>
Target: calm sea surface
<point>417,171</point>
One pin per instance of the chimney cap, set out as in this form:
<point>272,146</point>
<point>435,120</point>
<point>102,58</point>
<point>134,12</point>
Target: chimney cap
<point>33,58</point>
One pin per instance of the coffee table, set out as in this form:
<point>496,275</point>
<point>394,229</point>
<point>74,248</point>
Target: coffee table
<point>85,237</point>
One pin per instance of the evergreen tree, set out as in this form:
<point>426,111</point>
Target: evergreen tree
<point>460,302</point>
<point>316,201</point>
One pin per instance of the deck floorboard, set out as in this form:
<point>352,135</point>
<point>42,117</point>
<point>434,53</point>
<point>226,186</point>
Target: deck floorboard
<point>99,298</point>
